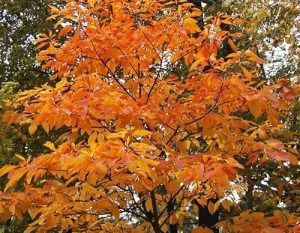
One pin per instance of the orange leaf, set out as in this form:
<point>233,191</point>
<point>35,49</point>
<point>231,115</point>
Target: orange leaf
<point>253,57</point>
<point>65,30</point>
<point>201,230</point>
<point>5,169</point>
<point>46,126</point>
<point>95,113</point>
<point>42,45</point>
<point>148,205</point>
<point>279,155</point>
<point>15,177</point>
<point>275,144</point>
<point>232,45</point>
<point>255,108</point>
<point>211,208</point>
<point>232,162</point>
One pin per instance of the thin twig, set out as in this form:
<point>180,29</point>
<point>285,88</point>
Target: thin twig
<point>210,110</point>
<point>171,200</point>
<point>104,63</point>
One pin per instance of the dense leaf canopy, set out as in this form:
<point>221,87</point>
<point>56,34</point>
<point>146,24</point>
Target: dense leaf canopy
<point>155,129</point>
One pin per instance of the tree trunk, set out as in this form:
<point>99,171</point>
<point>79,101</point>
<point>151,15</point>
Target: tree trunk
<point>173,227</point>
<point>205,219</point>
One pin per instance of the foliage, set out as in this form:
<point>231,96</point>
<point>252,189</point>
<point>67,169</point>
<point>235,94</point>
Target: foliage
<point>20,22</point>
<point>137,143</point>
<point>9,137</point>
<point>6,92</point>
<point>272,30</point>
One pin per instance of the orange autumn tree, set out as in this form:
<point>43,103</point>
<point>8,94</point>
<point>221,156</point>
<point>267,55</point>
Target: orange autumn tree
<point>143,145</point>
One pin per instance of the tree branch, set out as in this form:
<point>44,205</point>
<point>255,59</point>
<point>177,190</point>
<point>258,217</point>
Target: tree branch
<point>155,214</point>
<point>210,110</point>
<point>106,66</point>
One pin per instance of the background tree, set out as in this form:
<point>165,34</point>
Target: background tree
<point>271,30</point>
<point>21,21</point>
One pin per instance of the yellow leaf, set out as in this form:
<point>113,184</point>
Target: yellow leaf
<point>52,17</point>
<point>191,24</point>
<point>16,177</point>
<point>196,142</point>
<point>29,176</point>
<point>148,205</point>
<point>120,134</point>
<point>151,163</point>
<point>32,128</point>
<point>42,45</point>
<point>91,2</point>
<point>248,74</point>
<point>216,206</point>
<point>59,22</point>
<point>197,63</point>
<point>5,169</point>
<point>227,204</point>
<point>187,144</point>
<point>54,9</point>
<point>141,146</point>
<point>179,10</point>
<point>92,138</point>
<point>100,137</point>
<point>50,145</point>
<point>20,157</point>
<point>141,133</point>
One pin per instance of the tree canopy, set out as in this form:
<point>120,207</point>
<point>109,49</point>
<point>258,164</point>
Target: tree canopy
<point>156,130</point>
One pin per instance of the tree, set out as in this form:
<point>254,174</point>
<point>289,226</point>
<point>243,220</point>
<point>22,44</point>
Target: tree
<point>21,21</point>
<point>141,147</point>
<point>271,31</point>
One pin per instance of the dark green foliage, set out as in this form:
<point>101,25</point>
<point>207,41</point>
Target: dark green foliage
<point>20,22</point>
